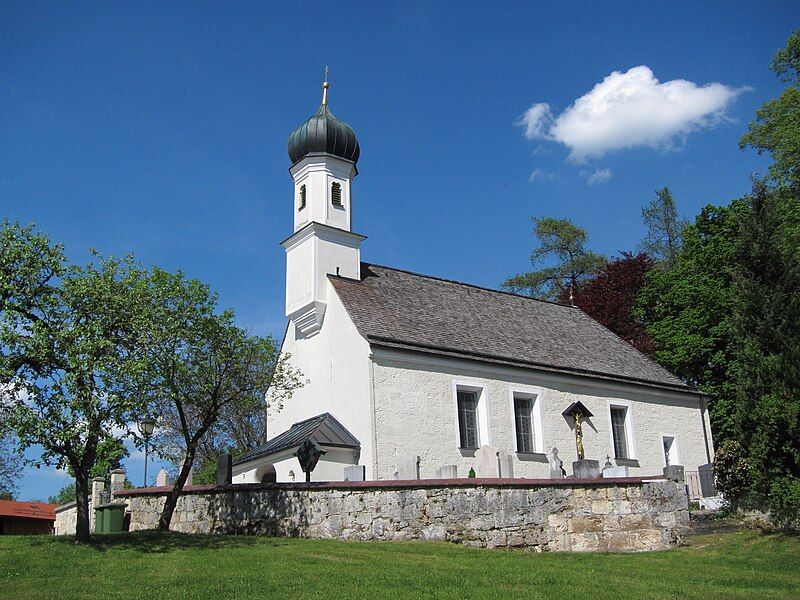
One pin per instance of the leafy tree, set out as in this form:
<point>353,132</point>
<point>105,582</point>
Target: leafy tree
<point>69,363</point>
<point>610,298</point>
<point>10,466</point>
<point>565,242</point>
<point>664,228</point>
<point>776,129</point>
<point>766,327</point>
<point>202,366</point>
<point>110,453</point>
<point>63,496</point>
<point>688,308</point>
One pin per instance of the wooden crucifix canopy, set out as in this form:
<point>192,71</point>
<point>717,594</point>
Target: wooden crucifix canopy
<point>577,408</point>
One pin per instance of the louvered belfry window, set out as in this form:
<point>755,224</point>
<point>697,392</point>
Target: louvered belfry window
<point>302,197</point>
<point>336,193</point>
<point>468,418</point>
<point>523,414</point>
<point>618,432</point>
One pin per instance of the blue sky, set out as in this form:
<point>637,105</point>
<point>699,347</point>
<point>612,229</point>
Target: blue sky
<point>161,130</point>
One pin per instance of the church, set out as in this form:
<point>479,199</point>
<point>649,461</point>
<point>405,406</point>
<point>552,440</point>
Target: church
<point>409,375</point>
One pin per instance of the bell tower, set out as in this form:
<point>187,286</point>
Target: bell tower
<point>324,152</point>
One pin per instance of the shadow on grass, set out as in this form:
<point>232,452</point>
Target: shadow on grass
<point>156,542</point>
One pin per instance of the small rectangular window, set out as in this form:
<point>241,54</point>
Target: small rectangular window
<point>523,417</point>
<point>468,419</point>
<point>302,197</point>
<point>336,193</point>
<point>618,431</point>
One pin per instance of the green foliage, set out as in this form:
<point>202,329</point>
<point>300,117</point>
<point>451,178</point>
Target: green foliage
<point>664,228</point>
<point>202,367</point>
<point>64,496</point>
<point>732,471</point>
<point>471,473</point>
<point>766,329</point>
<point>784,502</point>
<point>205,470</point>
<point>776,129</point>
<point>564,242</point>
<point>688,311</point>
<point>69,340</point>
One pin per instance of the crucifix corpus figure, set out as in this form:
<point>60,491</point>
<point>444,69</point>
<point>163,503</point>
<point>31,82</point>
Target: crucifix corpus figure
<point>579,412</point>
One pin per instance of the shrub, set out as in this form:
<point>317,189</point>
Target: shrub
<point>732,471</point>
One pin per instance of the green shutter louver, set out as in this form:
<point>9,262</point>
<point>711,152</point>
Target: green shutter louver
<point>302,197</point>
<point>336,193</point>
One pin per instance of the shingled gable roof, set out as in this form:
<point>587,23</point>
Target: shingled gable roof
<point>323,429</point>
<point>396,308</point>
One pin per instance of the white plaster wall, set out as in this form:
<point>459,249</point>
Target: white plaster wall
<point>317,173</point>
<point>415,414</point>
<point>329,468</point>
<point>335,361</point>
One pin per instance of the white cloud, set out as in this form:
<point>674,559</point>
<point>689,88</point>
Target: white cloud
<point>536,120</point>
<point>630,109</point>
<point>540,174</point>
<point>599,176</point>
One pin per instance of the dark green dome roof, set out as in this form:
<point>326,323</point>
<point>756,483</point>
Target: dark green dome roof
<point>324,134</point>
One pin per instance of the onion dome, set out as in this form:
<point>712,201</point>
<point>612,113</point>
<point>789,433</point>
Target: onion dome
<point>324,134</point>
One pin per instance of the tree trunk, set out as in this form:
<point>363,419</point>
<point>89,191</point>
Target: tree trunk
<point>172,500</point>
<point>82,533</point>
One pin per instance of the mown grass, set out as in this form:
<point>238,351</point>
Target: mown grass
<point>742,564</point>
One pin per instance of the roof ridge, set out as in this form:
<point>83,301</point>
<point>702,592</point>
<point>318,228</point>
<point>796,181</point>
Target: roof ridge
<point>465,284</point>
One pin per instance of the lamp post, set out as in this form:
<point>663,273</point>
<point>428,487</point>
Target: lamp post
<point>146,428</point>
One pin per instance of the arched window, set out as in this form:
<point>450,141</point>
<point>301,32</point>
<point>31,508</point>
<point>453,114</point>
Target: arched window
<point>302,197</point>
<point>336,193</point>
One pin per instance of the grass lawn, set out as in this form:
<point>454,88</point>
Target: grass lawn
<point>741,564</point>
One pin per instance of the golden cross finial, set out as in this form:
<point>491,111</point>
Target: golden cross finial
<point>325,88</point>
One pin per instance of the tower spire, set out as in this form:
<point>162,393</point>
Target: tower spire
<point>325,86</point>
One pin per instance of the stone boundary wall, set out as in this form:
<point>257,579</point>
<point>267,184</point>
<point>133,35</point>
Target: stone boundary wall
<point>624,514</point>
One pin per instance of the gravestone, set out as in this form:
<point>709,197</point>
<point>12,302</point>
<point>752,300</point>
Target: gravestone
<point>355,473</point>
<point>162,479</point>
<point>706,476</point>
<point>224,469</point>
<point>506,461</point>
<point>407,467</point>
<point>586,469</point>
<point>616,472</point>
<point>447,472</point>
<point>487,462</point>
<point>556,466</point>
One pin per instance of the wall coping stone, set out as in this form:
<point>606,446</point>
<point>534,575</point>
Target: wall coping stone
<point>394,484</point>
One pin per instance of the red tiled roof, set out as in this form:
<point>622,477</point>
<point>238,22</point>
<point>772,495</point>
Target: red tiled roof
<point>28,510</point>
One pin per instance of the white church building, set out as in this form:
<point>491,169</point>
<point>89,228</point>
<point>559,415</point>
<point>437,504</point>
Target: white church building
<point>402,365</point>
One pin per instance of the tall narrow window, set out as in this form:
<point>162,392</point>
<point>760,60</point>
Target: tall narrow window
<point>523,416</point>
<point>468,418</point>
<point>336,193</point>
<point>618,431</point>
<point>302,197</point>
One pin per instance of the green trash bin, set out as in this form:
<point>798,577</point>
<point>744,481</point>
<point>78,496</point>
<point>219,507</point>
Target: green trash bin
<point>100,519</point>
<point>114,518</point>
